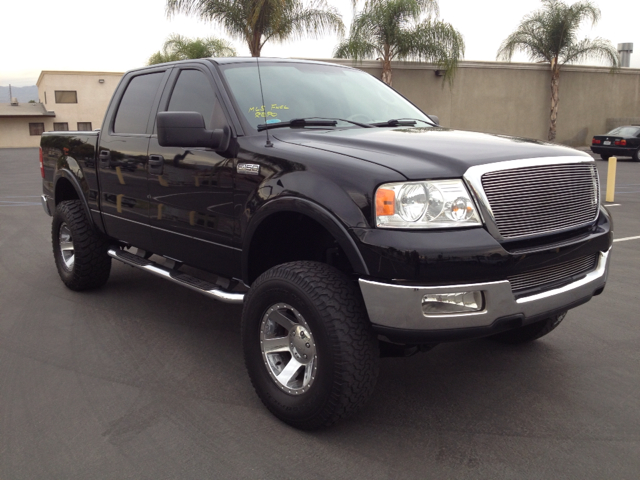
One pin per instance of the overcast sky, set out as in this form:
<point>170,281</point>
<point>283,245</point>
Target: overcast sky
<point>119,35</point>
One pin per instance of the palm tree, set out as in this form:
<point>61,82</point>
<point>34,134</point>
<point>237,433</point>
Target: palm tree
<point>178,47</point>
<point>258,21</point>
<point>403,30</point>
<point>549,36</point>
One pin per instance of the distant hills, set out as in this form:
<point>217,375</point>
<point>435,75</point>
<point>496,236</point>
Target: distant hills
<point>23,94</point>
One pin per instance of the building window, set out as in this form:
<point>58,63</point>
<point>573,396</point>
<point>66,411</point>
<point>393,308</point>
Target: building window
<point>66,96</point>
<point>84,126</point>
<point>36,128</point>
<point>60,127</point>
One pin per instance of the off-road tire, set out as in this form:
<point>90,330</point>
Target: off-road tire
<point>330,306</point>
<point>90,266</point>
<point>531,332</point>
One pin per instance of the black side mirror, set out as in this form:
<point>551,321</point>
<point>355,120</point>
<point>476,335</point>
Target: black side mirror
<point>187,129</point>
<point>435,119</point>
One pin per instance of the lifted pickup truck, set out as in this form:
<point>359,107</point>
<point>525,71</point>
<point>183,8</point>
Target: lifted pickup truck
<point>348,222</point>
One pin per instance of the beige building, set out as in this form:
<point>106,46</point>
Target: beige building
<point>22,124</point>
<point>68,101</point>
<point>79,99</point>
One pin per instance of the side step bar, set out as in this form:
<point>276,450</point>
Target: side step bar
<point>202,286</point>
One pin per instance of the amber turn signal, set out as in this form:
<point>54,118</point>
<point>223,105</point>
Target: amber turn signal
<point>385,202</point>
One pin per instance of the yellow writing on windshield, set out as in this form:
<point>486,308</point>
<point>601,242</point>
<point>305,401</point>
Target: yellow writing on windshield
<point>261,113</point>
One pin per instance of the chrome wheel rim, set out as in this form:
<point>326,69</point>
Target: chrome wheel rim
<point>67,251</point>
<point>288,349</point>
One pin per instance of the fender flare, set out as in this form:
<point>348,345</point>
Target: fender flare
<point>314,211</point>
<point>77,186</point>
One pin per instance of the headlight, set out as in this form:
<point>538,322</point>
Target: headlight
<point>428,204</point>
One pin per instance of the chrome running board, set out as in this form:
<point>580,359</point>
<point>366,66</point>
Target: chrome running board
<point>202,286</point>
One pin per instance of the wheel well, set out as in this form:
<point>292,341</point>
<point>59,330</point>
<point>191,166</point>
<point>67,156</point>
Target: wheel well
<point>289,236</point>
<point>65,191</point>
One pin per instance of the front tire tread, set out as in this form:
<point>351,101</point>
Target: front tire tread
<point>354,351</point>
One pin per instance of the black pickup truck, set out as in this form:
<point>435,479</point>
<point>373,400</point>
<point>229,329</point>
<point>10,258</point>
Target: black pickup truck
<point>348,222</point>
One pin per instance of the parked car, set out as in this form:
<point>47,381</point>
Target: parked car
<point>619,142</point>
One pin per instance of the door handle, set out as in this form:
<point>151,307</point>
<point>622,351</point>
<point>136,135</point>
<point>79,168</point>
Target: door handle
<point>156,160</point>
<point>156,164</point>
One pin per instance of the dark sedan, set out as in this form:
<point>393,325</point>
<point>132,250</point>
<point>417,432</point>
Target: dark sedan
<point>619,142</point>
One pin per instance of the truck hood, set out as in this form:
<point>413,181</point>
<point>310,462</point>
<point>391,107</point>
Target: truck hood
<point>423,152</point>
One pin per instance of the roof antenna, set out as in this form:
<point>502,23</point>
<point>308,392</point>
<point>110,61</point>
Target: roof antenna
<point>264,108</point>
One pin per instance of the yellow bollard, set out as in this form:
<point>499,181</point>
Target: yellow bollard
<point>611,179</point>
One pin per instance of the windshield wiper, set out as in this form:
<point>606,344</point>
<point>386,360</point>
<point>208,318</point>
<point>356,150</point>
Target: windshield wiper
<point>400,122</point>
<point>298,122</point>
<point>311,122</point>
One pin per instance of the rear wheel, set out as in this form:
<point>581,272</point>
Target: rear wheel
<point>605,157</point>
<point>636,156</point>
<point>308,345</point>
<point>531,332</point>
<point>80,251</point>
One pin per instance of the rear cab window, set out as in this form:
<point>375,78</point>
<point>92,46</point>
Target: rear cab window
<point>136,104</point>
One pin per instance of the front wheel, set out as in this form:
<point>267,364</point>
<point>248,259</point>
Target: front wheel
<point>80,251</point>
<point>531,332</point>
<point>308,345</point>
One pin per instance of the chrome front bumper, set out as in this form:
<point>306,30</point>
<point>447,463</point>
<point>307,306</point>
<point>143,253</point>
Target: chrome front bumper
<point>400,306</point>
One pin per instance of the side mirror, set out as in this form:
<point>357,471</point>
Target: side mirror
<point>187,129</point>
<point>435,119</point>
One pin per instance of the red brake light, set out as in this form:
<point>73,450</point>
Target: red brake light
<point>623,142</point>
<point>595,141</point>
<point>41,164</point>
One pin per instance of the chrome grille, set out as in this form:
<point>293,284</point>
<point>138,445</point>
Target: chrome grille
<point>540,199</point>
<point>549,275</point>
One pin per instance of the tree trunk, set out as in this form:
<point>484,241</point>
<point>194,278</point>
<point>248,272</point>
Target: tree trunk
<point>254,43</point>
<point>386,71</point>
<point>555,99</point>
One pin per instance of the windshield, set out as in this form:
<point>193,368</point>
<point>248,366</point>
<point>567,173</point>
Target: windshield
<point>625,131</point>
<point>301,90</point>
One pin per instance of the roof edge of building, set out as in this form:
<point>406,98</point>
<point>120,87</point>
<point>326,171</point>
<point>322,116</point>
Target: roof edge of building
<point>74,72</point>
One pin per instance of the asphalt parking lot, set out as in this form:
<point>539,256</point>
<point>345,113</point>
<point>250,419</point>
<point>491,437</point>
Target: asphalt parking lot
<point>145,379</point>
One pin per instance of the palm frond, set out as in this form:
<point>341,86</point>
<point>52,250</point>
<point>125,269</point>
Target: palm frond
<point>597,49</point>
<point>313,21</point>
<point>435,42</point>
<point>357,49</point>
<point>179,47</point>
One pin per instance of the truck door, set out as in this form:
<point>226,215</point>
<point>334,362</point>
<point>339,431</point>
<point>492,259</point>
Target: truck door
<point>191,189</point>
<point>122,157</point>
